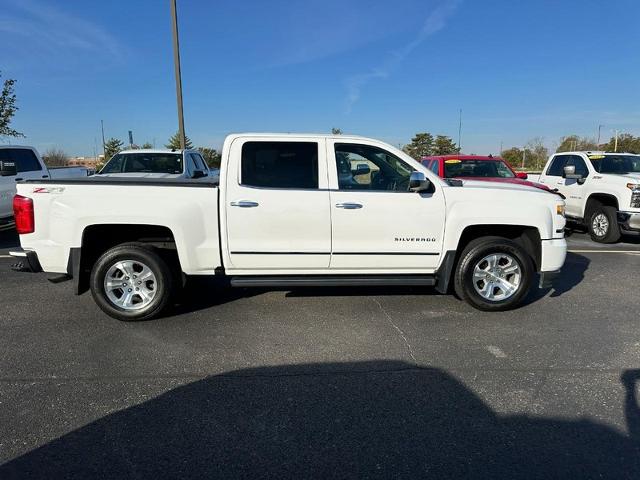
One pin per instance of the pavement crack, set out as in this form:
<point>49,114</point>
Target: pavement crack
<point>398,329</point>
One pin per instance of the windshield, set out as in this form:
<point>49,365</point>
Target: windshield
<point>477,168</point>
<point>144,163</point>
<point>616,164</point>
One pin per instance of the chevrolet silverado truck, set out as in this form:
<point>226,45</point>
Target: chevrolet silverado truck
<point>289,211</point>
<point>602,191</point>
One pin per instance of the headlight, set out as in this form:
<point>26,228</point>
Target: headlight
<point>560,209</point>
<point>633,186</point>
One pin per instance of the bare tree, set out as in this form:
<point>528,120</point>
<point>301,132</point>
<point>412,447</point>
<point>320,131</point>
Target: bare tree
<point>55,157</point>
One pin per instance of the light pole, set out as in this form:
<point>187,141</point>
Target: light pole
<point>176,61</point>
<point>599,128</point>
<point>524,154</point>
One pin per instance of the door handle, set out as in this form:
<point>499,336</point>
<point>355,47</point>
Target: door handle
<point>348,206</point>
<point>19,179</point>
<point>244,204</point>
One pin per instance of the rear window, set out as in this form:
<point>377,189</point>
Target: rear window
<point>280,164</point>
<point>145,163</point>
<point>456,168</point>
<point>24,158</point>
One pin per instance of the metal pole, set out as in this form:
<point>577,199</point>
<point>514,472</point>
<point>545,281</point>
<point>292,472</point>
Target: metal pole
<point>599,128</point>
<point>104,148</point>
<point>524,153</point>
<point>176,61</point>
<point>615,147</point>
<point>460,133</point>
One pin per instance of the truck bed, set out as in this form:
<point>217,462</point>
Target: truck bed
<point>188,209</point>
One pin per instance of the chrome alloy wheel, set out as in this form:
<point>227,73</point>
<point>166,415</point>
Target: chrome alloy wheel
<point>497,277</point>
<point>600,225</point>
<point>130,284</point>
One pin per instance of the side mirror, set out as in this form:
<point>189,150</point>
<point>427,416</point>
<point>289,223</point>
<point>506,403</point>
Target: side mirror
<point>569,172</point>
<point>418,182</point>
<point>522,175</point>
<point>8,169</point>
<point>362,169</point>
<point>198,174</point>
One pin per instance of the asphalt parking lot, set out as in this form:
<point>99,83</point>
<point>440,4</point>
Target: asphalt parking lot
<point>349,383</point>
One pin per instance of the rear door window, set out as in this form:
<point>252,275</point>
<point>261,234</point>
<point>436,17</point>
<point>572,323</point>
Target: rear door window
<point>280,165</point>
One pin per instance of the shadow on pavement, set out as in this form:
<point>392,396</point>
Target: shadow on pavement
<point>383,419</point>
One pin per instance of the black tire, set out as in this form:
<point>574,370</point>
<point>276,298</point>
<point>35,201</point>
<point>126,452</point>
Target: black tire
<point>612,230</point>
<point>162,286</point>
<point>473,254</point>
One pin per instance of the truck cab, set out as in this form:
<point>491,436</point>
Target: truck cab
<point>602,190</point>
<point>158,164</point>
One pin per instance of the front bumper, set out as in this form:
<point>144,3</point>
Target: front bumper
<point>28,261</point>
<point>629,221</point>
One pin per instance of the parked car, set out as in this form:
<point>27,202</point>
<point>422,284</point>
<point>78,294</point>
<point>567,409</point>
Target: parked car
<point>602,190</point>
<point>28,166</point>
<point>283,216</point>
<point>156,164</point>
<point>477,167</point>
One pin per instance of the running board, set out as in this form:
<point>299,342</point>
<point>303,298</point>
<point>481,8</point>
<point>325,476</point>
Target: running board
<point>331,280</point>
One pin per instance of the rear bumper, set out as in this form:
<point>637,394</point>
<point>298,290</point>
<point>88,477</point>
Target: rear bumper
<point>629,221</point>
<point>554,253</point>
<point>28,261</point>
<point>7,223</point>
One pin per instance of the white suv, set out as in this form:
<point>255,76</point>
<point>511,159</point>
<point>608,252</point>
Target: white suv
<point>602,190</point>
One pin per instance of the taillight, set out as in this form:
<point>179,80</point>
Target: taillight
<point>23,213</point>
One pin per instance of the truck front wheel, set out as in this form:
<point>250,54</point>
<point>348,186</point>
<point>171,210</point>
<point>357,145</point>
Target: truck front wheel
<point>131,282</point>
<point>603,224</point>
<point>493,274</point>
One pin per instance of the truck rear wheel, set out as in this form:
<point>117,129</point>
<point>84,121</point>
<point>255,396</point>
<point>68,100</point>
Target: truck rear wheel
<point>493,274</point>
<point>603,224</point>
<point>131,282</point>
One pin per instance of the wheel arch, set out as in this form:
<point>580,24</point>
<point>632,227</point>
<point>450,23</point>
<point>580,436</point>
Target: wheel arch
<point>98,238</point>
<point>606,199</point>
<point>527,236</point>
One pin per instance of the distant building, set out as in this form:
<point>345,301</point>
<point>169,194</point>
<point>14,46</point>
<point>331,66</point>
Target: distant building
<point>89,162</point>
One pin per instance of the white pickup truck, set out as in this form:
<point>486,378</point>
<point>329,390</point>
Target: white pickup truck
<point>602,190</point>
<point>29,166</point>
<point>292,210</point>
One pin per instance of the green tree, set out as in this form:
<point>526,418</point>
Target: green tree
<point>55,157</point>
<point>513,156</point>
<point>336,131</point>
<point>421,145</point>
<point>572,143</point>
<point>147,145</point>
<point>211,156</point>
<point>8,109</point>
<point>174,142</point>
<point>626,143</point>
<point>111,147</point>
<point>444,145</point>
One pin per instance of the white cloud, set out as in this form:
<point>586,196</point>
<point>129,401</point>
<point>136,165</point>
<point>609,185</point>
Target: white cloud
<point>434,22</point>
<point>35,31</point>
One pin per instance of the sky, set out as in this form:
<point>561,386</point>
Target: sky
<point>385,69</point>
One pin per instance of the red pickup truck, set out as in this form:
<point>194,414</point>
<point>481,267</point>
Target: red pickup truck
<point>477,167</point>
